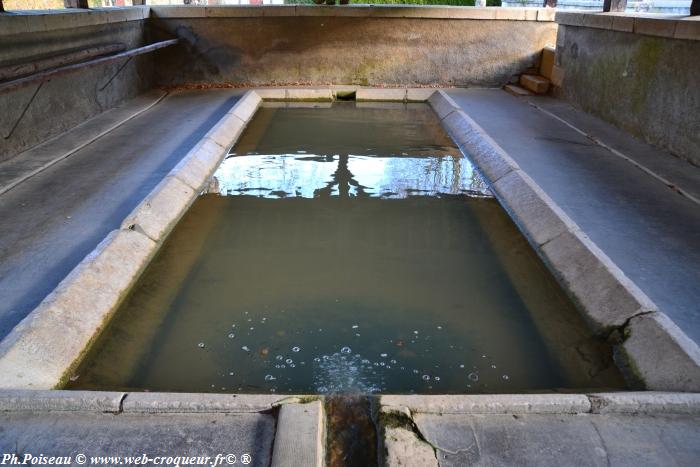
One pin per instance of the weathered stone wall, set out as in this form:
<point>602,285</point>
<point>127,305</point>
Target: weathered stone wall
<point>36,112</point>
<point>405,46</point>
<point>640,74</point>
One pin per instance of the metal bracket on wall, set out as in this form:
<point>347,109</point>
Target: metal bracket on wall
<point>24,111</point>
<point>123,65</point>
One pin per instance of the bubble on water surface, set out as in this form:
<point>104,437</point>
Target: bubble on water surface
<point>296,349</point>
<point>493,366</point>
<point>200,345</point>
<point>231,336</point>
<point>245,347</point>
<point>426,377</point>
<point>288,361</point>
<point>269,378</point>
<point>437,378</point>
<point>355,326</point>
<point>346,350</point>
<point>383,355</point>
<point>279,357</point>
<point>473,376</point>
<point>505,377</point>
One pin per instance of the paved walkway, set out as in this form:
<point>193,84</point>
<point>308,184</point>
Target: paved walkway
<point>649,230</point>
<point>51,221</point>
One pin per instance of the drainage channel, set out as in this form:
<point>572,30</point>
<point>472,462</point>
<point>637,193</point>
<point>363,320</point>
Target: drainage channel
<point>352,435</point>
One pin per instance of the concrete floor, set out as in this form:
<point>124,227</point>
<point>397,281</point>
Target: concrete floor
<point>100,434</point>
<point>51,221</point>
<point>650,231</point>
<point>561,439</point>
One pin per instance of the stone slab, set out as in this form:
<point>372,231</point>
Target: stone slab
<point>659,353</point>
<point>303,94</point>
<point>245,108</point>
<point>199,164</point>
<point>163,402</point>
<point>43,347</point>
<point>538,216</point>
<point>45,401</point>
<point>403,447</point>
<point>648,402</point>
<point>493,162</point>
<point>442,104</point>
<point>603,292</point>
<point>300,437</point>
<point>556,440</point>
<point>161,210</point>
<point>491,404</point>
<point>419,94</point>
<point>153,435</point>
<point>380,94</point>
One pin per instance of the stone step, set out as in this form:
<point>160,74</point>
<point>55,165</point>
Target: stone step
<point>535,83</point>
<point>517,91</point>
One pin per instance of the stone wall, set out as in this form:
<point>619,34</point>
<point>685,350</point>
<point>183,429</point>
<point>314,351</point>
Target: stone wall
<point>641,74</point>
<point>363,45</point>
<point>36,112</point>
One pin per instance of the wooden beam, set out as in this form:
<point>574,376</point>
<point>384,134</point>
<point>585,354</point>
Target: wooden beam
<point>614,5</point>
<point>76,3</point>
<point>550,3</point>
<point>694,8</point>
<point>64,70</point>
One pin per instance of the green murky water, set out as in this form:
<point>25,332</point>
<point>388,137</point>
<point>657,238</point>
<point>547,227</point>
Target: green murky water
<point>347,248</point>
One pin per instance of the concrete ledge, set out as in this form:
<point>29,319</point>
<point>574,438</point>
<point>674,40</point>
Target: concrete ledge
<point>645,402</point>
<point>300,436</point>
<point>383,94</point>
<point>598,286</point>
<point>160,211</point>
<point>164,402</point>
<point>60,401</point>
<point>22,21</point>
<point>491,404</point>
<point>442,104</point>
<point>605,296</point>
<point>245,108</point>
<point>660,354</point>
<point>670,26</point>
<point>357,11</point>
<point>44,346</point>
<point>301,94</point>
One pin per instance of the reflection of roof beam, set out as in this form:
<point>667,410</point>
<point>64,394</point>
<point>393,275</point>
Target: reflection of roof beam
<point>76,3</point>
<point>695,8</point>
<point>614,5</point>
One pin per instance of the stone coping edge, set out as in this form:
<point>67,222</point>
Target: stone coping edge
<point>356,11</point>
<point>31,400</point>
<point>23,400</point>
<point>300,436</point>
<point>656,352</point>
<point>27,21</point>
<point>594,403</point>
<point>669,26</point>
<point>42,350</point>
